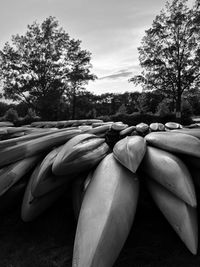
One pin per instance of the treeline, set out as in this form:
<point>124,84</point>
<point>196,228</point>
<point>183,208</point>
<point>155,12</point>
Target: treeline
<point>89,105</point>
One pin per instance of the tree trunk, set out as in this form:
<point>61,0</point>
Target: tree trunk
<point>74,106</point>
<point>178,106</point>
<point>178,98</point>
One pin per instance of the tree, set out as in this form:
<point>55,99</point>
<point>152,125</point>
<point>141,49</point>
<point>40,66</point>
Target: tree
<point>79,72</point>
<point>104,104</point>
<point>42,66</point>
<point>148,101</point>
<point>84,105</point>
<point>122,109</point>
<point>170,52</point>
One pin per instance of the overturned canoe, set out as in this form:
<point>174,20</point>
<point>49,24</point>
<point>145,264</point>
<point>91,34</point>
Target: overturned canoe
<point>106,215</point>
<point>181,216</point>
<point>169,171</point>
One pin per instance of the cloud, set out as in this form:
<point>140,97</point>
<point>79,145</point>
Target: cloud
<point>112,86</point>
<point>120,74</point>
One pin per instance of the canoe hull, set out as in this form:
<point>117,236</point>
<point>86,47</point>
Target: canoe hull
<point>106,215</point>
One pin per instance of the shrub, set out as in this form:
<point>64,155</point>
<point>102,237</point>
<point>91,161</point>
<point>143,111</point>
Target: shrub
<point>28,118</point>
<point>132,119</point>
<point>136,118</point>
<point>11,115</point>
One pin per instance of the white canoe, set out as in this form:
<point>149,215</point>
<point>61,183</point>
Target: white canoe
<point>169,171</point>
<point>106,215</point>
<point>181,216</point>
<point>175,142</point>
<point>34,207</point>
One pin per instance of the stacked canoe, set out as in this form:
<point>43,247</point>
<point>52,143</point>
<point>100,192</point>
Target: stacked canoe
<point>102,163</point>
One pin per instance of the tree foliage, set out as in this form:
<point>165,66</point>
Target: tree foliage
<point>43,65</point>
<point>170,51</point>
<point>108,105</point>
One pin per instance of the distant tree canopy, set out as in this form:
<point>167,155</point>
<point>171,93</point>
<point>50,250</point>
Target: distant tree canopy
<point>170,52</point>
<point>43,66</point>
<point>105,106</point>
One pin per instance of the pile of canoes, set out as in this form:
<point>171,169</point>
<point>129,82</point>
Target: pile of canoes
<point>102,163</point>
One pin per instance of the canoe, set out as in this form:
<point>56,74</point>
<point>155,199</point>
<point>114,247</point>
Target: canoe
<point>175,142</point>
<point>156,127</point>
<point>79,154</point>
<point>99,130</point>
<point>130,151</point>
<point>194,131</point>
<point>44,181</point>
<point>11,174</point>
<point>31,135</point>
<point>169,171</point>
<point>127,131</point>
<point>142,128</point>
<point>34,207</point>
<point>106,215</point>
<point>182,217</point>
<point>118,126</point>
<point>26,149</point>
<point>173,126</point>
<point>6,124</point>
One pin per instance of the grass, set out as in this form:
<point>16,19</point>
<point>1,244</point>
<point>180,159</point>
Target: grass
<point>48,241</point>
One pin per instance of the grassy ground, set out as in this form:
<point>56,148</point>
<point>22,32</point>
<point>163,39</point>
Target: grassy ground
<point>48,241</point>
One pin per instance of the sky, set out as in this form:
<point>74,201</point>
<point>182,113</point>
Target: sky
<point>110,29</point>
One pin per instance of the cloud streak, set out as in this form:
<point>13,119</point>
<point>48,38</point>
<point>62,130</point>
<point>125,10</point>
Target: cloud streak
<point>115,76</point>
